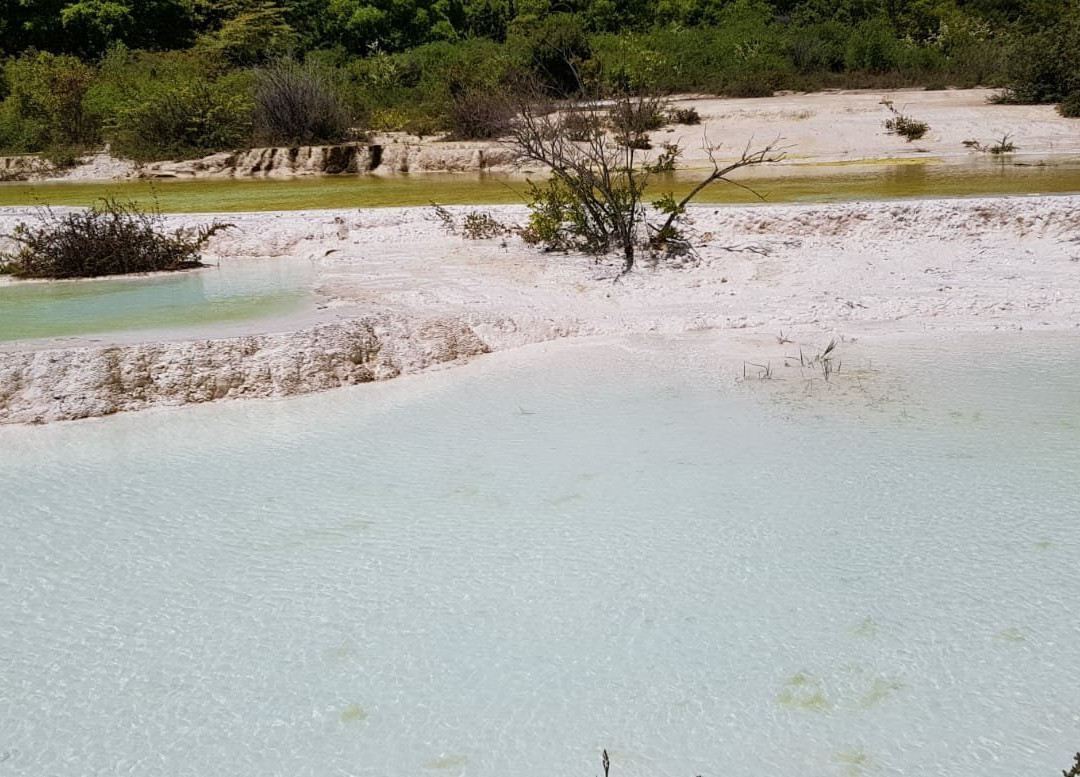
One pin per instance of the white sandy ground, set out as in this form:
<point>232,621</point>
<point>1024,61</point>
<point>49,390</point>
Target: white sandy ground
<point>396,294</point>
<point>848,126</point>
<point>827,128</point>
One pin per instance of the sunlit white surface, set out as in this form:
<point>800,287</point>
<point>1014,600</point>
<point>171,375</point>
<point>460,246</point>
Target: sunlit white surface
<point>503,568</point>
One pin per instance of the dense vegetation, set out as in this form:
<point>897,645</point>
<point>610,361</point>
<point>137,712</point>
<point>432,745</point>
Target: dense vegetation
<point>180,78</point>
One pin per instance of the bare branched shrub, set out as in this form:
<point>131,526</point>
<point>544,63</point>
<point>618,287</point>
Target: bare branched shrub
<point>110,239</point>
<point>475,225</point>
<point>1075,770</point>
<point>1070,106</point>
<point>445,218</point>
<point>580,125</point>
<point>479,225</point>
<point>643,114</point>
<point>480,114</point>
<point>298,104</point>
<point>594,199</point>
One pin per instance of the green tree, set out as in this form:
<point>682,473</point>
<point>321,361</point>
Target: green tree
<point>391,25</point>
<point>43,108</point>
<point>91,25</point>
<point>256,31</point>
<point>1045,66</point>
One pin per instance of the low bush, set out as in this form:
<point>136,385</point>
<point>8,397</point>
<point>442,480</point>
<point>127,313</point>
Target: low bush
<point>1070,106</point>
<point>1003,146</point>
<point>688,116</point>
<point>110,239</point>
<point>478,225</point>
<point>666,160</point>
<point>185,121</point>
<point>906,127</point>
<point>632,118</point>
<point>752,85</point>
<point>581,125</point>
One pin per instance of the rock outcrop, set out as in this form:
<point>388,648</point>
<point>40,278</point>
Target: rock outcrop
<point>21,168</point>
<point>280,162</point>
<point>395,155</point>
<point>65,384</point>
<point>388,154</point>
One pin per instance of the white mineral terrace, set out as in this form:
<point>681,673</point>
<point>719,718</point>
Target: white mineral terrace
<point>390,292</point>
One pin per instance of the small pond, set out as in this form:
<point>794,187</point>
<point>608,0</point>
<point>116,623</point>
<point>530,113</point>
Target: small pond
<point>229,293</point>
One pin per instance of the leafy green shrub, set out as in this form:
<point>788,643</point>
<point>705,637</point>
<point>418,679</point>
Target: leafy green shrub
<point>873,47</point>
<point>551,47</point>
<point>185,121</point>
<point>298,104</point>
<point>816,48</point>
<point>463,87</point>
<point>171,105</point>
<point>559,220</point>
<point>630,64</point>
<point>1044,67</point>
<point>666,160</point>
<point>973,58</point>
<point>904,126</point>
<point>1070,106</point>
<point>109,239</point>
<point>43,106</point>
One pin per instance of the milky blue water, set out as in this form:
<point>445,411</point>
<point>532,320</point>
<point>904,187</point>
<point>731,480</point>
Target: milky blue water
<point>227,293</point>
<point>505,567</point>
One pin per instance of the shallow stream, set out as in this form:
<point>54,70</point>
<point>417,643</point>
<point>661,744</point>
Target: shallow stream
<point>828,182</point>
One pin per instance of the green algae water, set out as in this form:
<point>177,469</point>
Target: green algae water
<point>796,183</point>
<point>227,294</point>
<point>504,568</point>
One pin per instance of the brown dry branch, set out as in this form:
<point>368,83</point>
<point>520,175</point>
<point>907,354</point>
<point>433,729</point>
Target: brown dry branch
<point>111,238</point>
<point>594,199</point>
